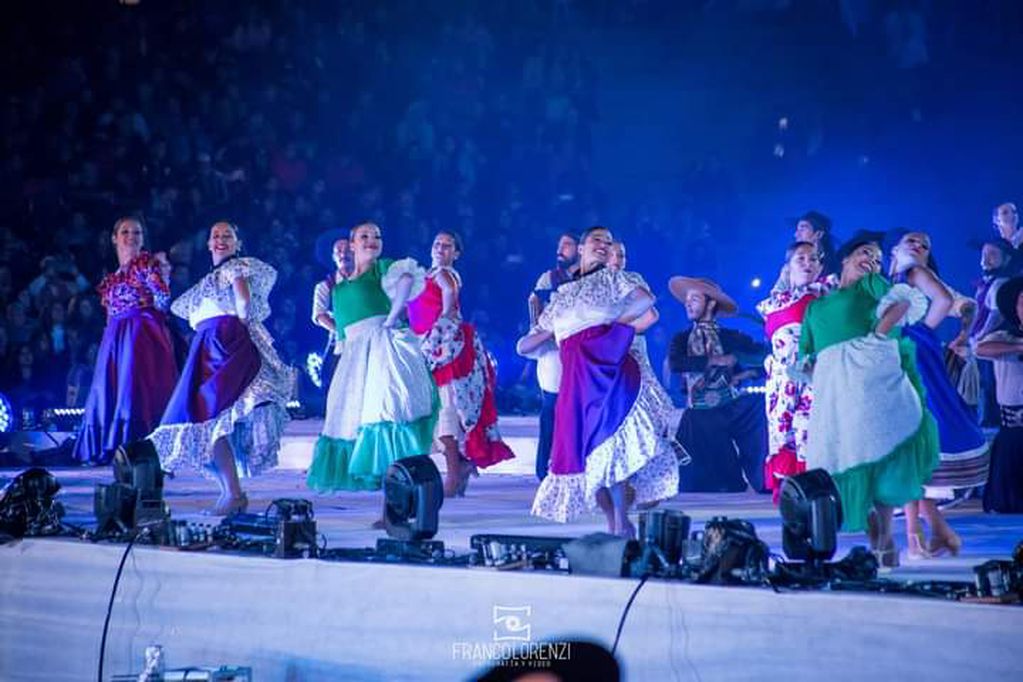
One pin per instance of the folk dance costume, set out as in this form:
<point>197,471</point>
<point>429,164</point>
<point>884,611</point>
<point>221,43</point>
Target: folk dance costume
<point>724,432</point>
<point>1004,490</point>
<point>381,405</point>
<point>462,371</point>
<point>869,427</point>
<point>608,420</point>
<point>788,399</point>
<point>964,453</point>
<point>548,370</point>
<point>987,320</point>
<point>233,383</point>
<point>135,368</point>
<point>322,303</point>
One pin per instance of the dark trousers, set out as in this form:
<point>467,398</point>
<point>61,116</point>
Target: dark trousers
<point>543,446</point>
<point>725,443</point>
<point>987,404</point>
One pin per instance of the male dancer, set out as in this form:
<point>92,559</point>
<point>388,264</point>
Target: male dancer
<point>548,363</point>
<point>724,432</point>
<point>322,315</point>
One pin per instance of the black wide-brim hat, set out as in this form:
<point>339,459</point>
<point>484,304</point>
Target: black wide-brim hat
<point>1006,299</point>
<point>323,249</point>
<point>856,241</point>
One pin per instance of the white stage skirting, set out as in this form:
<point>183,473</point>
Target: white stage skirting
<point>315,620</point>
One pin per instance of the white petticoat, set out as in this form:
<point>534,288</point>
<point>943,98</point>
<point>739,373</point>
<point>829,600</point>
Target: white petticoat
<point>864,405</point>
<point>380,377</point>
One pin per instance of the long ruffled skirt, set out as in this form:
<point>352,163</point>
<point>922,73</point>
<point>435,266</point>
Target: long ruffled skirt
<point>131,385</point>
<point>381,407</point>
<point>869,428</point>
<point>232,385</point>
<point>965,454</point>
<point>608,427</point>
<point>465,381</point>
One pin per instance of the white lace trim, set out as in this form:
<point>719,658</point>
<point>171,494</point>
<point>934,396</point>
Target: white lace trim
<point>405,266</point>
<point>261,407</point>
<point>904,293</point>
<point>637,452</point>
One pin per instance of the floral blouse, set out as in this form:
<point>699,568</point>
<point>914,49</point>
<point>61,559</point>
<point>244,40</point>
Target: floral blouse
<point>588,301</point>
<point>213,295</point>
<point>783,316</point>
<point>139,284</point>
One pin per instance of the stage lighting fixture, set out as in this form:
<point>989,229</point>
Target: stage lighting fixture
<point>314,368</point>
<point>413,494</point>
<point>664,533</point>
<point>27,506</point>
<point>811,512</point>
<point>135,498</point>
<point>6,415</point>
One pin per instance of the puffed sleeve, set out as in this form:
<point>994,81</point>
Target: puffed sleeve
<point>150,274</point>
<point>626,282</point>
<point>546,320</point>
<point>261,278</point>
<point>321,301</point>
<point>903,293</point>
<point>395,271</point>
<point>184,304</point>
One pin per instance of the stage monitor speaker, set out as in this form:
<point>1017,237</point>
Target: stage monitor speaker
<point>602,554</point>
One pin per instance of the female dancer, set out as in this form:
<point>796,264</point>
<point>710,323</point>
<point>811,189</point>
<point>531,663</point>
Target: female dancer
<point>608,427</point>
<point>788,398</point>
<point>229,408</point>
<point>964,451</point>
<point>869,427</point>
<point>1004,490</point>
<point>381,402</point>
<point>460,366</point>
<point>135,369</point>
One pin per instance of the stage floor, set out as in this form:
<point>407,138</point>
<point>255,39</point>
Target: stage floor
<point>319,620</point>
<point>499,502</point>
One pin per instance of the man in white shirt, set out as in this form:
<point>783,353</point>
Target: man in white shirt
<point>323,314</point>
<point>548,362</point>
<point>1006,221</point>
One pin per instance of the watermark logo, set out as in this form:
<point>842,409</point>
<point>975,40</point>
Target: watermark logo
<point>511,623</point>
<point>512,642</point>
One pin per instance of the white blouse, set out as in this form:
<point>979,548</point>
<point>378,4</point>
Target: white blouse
<point>213,295</point>
<point>589,301</point>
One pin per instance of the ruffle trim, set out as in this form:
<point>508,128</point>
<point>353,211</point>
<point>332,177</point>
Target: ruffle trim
<point>329,470</point>
<point>637,452</point>
<point>904,293</point>
<point>893,480</point>
<point>261,405</point>
<point>405,266</point>
<point>360,464</point>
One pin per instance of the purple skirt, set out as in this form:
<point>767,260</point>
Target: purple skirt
<point>222,362</point>
<point>131,385</point>
<point>600,382</point>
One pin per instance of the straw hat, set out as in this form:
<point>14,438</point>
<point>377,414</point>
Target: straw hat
<point>680,286</point>
<point>1006,299</point>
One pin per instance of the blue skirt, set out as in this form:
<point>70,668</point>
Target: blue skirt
<point>131,385</point>
<point>964,451</point>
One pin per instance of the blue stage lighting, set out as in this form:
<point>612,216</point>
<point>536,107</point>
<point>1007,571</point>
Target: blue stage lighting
<point>314,368</point>
<point>6,415</point>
